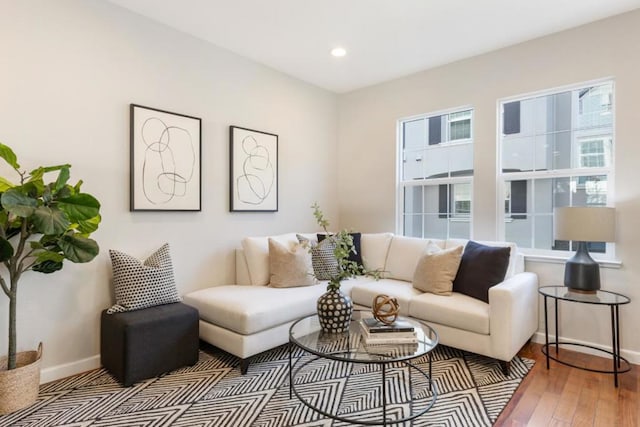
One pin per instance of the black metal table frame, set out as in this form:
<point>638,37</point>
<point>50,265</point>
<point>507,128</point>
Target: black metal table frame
<point>615,336</point>
<point>383,366</point>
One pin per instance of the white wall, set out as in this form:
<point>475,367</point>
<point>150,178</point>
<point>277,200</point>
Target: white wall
<point>367,145</point>
<point>70,69</point>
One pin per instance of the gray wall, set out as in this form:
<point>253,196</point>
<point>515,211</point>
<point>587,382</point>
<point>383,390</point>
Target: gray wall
<point>602,49</point>
<point>70,69</point>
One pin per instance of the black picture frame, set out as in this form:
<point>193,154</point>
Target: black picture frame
<point>165,160</point>
<point>253,170</point>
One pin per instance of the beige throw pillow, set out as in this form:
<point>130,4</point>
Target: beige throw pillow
<point>289,266</point>
<point>436,270</point>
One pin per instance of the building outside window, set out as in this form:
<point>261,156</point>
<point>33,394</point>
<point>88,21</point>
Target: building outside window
<point>556,149</point>
<point>435,174</point>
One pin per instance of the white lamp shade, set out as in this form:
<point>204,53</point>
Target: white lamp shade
<point>585,224</point>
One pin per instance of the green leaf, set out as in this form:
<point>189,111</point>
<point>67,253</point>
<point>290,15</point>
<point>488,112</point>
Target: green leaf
<point>50,220</point>
<point>49,256</point>
<point>49,241</point>
<point>90,225</point>
<point>64,192</point>
<point>34,188</point>
<point>4,219</point>
<point>39,172</point>
<point>36,245</point>
<point>6,250</point>
<point>5,184</point>
<point>17,203</point>
<point>63,177</point>
<point>80,207</point>
<point>77,248</point>
<point>47,196</point>
<point>47,267</point>
<point>9,156</point>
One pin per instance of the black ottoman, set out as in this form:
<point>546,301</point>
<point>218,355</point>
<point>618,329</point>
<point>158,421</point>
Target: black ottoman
<point>142,344</point>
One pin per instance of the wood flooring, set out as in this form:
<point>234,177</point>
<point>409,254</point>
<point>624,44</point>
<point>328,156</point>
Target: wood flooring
<point>566,396</point>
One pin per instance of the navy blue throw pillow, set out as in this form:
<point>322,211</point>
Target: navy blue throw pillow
<point>481,267</point>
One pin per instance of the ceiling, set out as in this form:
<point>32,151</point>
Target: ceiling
<point>385,39</point>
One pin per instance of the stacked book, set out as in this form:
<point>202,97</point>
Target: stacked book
<point>399,332</point>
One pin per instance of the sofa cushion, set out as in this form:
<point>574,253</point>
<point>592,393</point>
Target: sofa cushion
<point>404,253</point>
<point>354,256</point>
<point>141,284</point>
<point>290,265</point>
<point>250,309</point>
<point>481,267</point>
<point>436,270</point>
<point>512,269</point>
<point>363,293</point>
<point>374,250</point>
<point>256,252</point>
<point>323,258</point>
<point>457,311</point>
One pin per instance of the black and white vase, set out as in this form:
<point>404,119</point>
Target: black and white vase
<point>334,311</point>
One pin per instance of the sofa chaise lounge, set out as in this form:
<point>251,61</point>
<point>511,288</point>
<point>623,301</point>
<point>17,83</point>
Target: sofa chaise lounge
<point>250,317</point>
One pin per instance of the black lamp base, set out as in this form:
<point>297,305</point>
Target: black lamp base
<point>581,272</point>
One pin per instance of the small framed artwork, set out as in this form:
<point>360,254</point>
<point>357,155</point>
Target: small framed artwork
<point>165,160</point>
<point>253,170</point>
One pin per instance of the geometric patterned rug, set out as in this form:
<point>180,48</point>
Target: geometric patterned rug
<point>471,391</point>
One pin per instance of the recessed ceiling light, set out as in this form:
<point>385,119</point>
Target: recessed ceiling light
<point>338,52</point>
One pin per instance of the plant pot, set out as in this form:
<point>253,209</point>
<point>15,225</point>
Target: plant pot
<point>334,311</point>
<point>19,387</point>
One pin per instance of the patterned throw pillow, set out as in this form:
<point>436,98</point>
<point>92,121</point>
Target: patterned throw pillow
<point>323,260</point>
<point>142,284</point>
<point>353,256</point>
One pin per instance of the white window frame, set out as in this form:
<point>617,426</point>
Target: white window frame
<point>502,178</point>
<point>401,184</point>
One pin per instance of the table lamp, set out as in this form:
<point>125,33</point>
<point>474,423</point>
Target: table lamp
<point>582,225</point>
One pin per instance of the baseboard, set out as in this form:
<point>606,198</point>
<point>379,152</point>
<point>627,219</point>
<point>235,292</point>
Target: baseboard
<point>62,371</point>
<point>631,356</point>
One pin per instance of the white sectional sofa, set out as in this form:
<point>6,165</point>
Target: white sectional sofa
<point>250,317</point>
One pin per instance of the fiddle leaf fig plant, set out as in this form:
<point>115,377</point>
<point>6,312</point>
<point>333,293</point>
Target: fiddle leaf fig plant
<point>41,226</point>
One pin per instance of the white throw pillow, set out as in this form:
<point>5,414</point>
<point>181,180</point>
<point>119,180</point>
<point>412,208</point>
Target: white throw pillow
<point>404,253</point>
<point>374,247</point>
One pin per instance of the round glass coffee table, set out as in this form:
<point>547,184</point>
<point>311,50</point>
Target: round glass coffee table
<point>347,350</point>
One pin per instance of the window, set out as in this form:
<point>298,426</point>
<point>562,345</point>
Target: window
<point>555,150</point>
<point>594,152</point>
<point>460,125</point>
<point>435,174</point>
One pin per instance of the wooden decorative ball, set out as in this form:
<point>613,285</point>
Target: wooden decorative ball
<point>385,309</point>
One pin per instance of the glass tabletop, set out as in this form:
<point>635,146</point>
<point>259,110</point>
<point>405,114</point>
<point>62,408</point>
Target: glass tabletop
<point>599,297</point>
<point>350,346</point>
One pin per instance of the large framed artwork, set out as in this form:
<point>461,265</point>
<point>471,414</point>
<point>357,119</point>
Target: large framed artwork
<point>165,160</point>
<point>253,170</point>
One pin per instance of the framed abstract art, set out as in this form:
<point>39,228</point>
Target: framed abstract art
<point>253,170</point>
<point>165,160</point>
